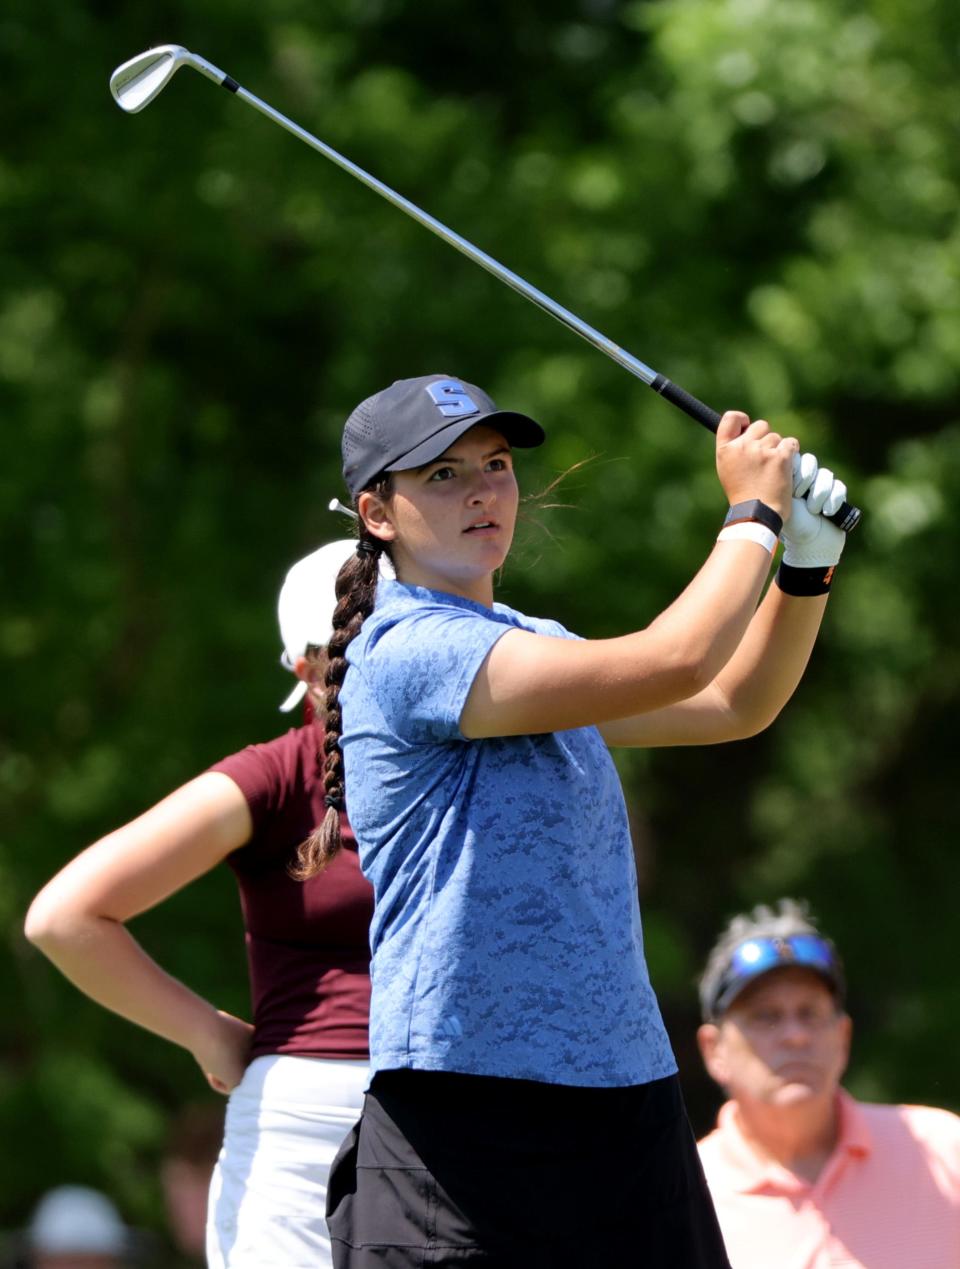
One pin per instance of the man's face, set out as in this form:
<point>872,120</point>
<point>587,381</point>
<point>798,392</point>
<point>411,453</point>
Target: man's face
<point>781,1043</point>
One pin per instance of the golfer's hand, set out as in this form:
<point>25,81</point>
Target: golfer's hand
<point>222,1053</point>
<point>753,461</point>
<point>810,540</point>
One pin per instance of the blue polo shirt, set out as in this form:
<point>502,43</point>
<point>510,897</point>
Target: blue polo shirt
<point>506,934</point>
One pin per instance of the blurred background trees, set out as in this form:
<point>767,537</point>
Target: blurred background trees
<point>758,198</point>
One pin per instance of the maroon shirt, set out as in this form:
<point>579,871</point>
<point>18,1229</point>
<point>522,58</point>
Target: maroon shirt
<point>307,941</point>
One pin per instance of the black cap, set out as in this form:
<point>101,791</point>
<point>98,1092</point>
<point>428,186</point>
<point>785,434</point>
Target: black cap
<point>416,420</point>
<point>761,953</point>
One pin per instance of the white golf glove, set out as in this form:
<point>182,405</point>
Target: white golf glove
<point>809,539</point>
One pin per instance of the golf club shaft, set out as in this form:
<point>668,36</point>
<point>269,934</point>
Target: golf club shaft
<point>454,239</point>
<point>846,518</point>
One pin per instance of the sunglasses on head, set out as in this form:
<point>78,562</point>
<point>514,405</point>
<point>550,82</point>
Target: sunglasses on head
<point>761,953</point>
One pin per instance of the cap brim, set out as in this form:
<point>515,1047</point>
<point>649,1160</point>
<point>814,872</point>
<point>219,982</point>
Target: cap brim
<point>517,429</point>
<point>736,990</point>
<point>295,697</point>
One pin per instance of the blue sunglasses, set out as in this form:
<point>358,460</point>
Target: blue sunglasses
<point>762,953</point>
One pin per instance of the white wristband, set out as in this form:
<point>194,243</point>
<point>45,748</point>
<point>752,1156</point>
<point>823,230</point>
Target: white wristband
<point>749,531</point>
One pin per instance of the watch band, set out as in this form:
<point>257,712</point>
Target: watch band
<point>757,511</point>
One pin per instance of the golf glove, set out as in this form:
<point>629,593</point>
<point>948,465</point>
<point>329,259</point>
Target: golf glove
<point>809,539</point>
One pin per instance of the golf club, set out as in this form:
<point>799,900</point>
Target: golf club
<point>136,83</point>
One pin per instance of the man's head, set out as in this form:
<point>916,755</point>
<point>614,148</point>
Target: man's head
<point>74,1227</point>
<point>775,1030</point>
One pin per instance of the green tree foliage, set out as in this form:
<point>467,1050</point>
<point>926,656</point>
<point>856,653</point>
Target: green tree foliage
<point>758,198</point>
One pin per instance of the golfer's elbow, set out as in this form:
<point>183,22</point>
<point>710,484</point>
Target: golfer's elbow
<point>764,717</point>
<point>690,668</point>
<point>52,926</point>
<point>746,728</point>
<point>750,719</point>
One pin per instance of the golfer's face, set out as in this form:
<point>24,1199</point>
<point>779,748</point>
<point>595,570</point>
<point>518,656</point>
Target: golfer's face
<point>453,519</point>
<point>784,1040</point>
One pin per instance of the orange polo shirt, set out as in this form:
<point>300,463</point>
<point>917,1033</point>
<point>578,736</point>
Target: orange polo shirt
<point>887,1198</point>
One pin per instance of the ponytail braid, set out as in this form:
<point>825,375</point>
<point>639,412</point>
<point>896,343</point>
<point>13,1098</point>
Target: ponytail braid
<point>356,590</point>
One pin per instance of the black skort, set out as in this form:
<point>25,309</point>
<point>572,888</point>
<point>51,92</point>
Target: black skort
<point>462,1170</point>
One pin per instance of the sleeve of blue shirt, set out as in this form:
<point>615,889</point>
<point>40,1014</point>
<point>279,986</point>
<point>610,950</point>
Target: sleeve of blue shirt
<point>420,669</point>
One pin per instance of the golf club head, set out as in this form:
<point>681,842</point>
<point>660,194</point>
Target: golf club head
<point>136,83</point>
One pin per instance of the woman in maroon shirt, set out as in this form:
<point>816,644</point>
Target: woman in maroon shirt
<point>297,1074</point>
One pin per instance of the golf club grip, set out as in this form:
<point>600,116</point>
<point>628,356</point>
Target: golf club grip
<point>691,405</point>
<point>848,516</point>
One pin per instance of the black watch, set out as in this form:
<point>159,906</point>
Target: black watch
<point>756,511</point>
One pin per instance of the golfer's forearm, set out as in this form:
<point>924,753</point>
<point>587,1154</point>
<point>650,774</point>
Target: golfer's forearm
<point>764,671</point>
<point>705,625</point>
<point>105,962</point>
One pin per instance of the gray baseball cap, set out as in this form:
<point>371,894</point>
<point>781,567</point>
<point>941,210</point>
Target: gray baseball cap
<point>416,420</point>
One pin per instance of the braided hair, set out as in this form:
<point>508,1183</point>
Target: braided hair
<point>356,590</point>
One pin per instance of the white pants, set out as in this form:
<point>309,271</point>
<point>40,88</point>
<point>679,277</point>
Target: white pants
<point>285,1122</point>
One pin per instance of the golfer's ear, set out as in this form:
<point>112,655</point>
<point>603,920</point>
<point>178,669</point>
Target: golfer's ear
<point>374,513</point>
<point>708,1042</point>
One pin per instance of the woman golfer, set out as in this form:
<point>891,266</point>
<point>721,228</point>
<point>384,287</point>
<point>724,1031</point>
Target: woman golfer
<point>296,1077</point>
<point>524,1108</point>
